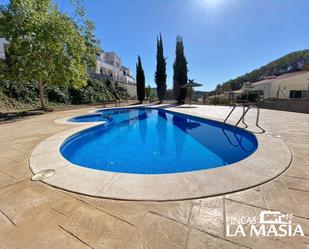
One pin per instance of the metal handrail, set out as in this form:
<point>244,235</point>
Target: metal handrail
<point>258,118</point>
<point>229,114</point>
<point>243,115</point>
<point>242,118</point>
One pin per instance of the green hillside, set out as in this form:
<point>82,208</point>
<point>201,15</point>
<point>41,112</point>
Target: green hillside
<point>289,63</point>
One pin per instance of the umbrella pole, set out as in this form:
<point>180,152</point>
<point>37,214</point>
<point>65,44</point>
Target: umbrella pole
<point>190,95</point>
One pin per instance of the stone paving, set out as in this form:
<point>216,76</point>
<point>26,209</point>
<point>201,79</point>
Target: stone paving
<point>35,215</point>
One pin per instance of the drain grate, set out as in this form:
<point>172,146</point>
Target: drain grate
<point>43,175</point>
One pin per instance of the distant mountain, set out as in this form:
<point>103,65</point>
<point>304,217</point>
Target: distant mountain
<point>291,62</point>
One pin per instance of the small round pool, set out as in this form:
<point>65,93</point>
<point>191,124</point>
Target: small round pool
<point>155,141</point>
<point>88,118</point>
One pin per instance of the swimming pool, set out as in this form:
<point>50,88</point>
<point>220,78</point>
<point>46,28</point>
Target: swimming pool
<point>155,141</point>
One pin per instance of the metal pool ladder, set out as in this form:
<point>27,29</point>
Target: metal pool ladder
<point>245,111</point>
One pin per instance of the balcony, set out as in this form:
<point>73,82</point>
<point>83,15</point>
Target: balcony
<point>122,79</point>
<point>126,79</point>
<point>105,61</point>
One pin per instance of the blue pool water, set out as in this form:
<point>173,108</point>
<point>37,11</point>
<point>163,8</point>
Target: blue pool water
<point>153,141</point>
<point>88,118</point>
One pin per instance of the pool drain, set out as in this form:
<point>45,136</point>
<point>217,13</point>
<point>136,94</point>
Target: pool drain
<point>44,174</point>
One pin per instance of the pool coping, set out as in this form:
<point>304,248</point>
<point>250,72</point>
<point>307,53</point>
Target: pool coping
<point>271,159</point>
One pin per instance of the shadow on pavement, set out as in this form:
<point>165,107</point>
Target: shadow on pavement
<point>15,116</point>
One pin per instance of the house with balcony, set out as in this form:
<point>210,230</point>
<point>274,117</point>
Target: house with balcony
<point>109,67</point>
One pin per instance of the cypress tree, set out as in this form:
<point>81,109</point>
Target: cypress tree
<point>180,77</point>
<point>160,75</point>
<point>140,80</point>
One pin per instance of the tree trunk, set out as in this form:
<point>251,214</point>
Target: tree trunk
<point>41,93</point>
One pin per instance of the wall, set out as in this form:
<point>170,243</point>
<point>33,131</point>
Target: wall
<point>291,105</point>
<point>130,88</point>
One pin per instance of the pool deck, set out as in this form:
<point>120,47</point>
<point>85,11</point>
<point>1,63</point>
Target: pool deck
<point>36,215</point>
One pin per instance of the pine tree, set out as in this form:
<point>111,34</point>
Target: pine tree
<point>160,75</point>
<point>140,80</point>
<point>180,77</point>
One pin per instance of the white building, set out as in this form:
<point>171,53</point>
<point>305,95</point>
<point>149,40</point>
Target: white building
<point>108,65</point>
<point>285,86</point>
<point>3,44</point>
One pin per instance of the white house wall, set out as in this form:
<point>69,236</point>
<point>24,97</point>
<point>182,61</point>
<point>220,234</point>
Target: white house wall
<point>299,81</point>
<point>2,54</point>
<point>265,87</point>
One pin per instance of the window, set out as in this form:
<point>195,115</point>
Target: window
<point>305,94</point>
<point>295,94</point>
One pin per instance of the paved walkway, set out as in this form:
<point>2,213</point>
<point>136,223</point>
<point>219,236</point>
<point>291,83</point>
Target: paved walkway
<point>35,215</point>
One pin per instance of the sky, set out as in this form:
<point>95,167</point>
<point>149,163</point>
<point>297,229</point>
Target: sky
<point>223,39</point>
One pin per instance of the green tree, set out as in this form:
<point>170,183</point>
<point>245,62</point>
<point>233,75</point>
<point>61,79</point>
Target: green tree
<point>46,46</point>
<point>160,75</point>
<point>140,80</point>
<point>87,29</point>
<point>180,77</point>
<point>92,43</point>
<point>148,92</point>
